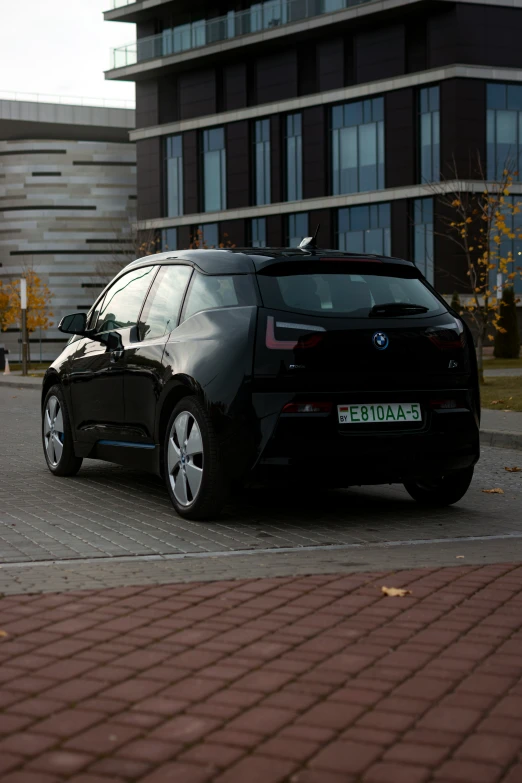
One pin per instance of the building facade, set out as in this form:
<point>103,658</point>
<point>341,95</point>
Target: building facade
<point>67,203</point>
<point>256,122</point>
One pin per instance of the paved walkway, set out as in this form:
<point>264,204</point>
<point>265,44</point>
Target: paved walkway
<point>512,372</point>
<point>317,679</point>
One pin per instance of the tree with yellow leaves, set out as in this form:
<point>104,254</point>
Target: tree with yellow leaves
<point>38,302</point>
<point>198,242</point>
<point>4,307</point>
<point>479,217</point>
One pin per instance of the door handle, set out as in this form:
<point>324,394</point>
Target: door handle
<point>115,355</point>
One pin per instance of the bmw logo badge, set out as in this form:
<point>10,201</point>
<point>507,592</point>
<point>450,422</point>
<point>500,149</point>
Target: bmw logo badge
<point>380,341</point>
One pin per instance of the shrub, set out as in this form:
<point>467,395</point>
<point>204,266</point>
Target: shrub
<point>507,338</point>
<point>455,302</point>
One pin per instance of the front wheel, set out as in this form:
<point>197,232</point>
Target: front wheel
<point>194,471</point>
<point>57,435</point>
<point>440,490</point>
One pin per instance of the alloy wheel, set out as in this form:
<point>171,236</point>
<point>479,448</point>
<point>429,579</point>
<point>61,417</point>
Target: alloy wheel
<point>185,458</point>
<point>54,435</point>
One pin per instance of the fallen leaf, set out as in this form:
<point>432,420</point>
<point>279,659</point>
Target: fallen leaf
<point>393,592</point>
<point>498,402</point>
<point>513,470</point>
<point>496,491</point>
<point>3,634</point>
<point>460,557</point>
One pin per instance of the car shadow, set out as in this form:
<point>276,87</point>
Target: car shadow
<point>372,511</point>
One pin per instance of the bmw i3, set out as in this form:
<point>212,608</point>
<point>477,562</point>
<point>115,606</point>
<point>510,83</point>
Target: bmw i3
<point>208,366</point>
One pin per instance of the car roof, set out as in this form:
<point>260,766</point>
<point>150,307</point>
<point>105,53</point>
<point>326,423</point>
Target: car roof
<point>247,260</point>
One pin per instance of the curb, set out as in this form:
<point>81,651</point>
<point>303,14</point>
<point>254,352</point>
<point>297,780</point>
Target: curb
<point>501,440</point>
<point>22,383</point>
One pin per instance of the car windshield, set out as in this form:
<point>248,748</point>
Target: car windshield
<point>357,293</point>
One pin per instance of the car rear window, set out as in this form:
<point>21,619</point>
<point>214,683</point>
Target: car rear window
<point>351,293</point>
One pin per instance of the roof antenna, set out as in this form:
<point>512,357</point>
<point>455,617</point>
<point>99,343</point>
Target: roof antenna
<point>310,243</point>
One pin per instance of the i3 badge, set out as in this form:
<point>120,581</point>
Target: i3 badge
<point>380,341</point>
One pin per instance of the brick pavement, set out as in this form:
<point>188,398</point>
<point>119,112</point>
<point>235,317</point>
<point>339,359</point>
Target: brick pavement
<point>316,679</point>
<point>109,512</point>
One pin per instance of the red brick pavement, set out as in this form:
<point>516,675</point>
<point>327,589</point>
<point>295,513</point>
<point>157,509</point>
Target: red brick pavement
<point>317,679</point>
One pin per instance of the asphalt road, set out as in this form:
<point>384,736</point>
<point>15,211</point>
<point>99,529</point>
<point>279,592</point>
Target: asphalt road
<point>109,525</point>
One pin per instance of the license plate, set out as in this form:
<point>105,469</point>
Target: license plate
<point>379,413</point>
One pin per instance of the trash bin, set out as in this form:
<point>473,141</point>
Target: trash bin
<point>3,353</point>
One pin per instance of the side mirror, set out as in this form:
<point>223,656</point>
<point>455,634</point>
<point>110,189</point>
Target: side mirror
<point>114,342</point>
<point>76,323</point>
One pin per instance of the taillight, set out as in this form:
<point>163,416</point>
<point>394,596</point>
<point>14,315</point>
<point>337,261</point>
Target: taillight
<point>443,404</point>
<point>307,407</point>
<point>288,345</point>
<point>444,337</point>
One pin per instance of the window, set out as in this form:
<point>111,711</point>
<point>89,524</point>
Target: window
<point>429,135</point>
<point>297,228</point>
<point>183,37</point>
<point>208,292</point>
<point>509,248</point>
<point>174,175</point>
<point>92,317</point>
<point>206,235</point>
<point>423,236</point>
<point>504,129</point>
<point>161,311</point>
<point>294,158</point>
<point>258,232</point>
<point>122,303</point>
<point>262,161</point>
<point>344,289</point>
<point>358,146</point>
<point>365,229</point>
<point>214,170</point>
<point>169,239</point>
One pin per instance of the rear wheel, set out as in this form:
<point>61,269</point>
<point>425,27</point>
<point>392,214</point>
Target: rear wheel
<point>57,435</point>
<point>194,473</point>
<point>440,490</point>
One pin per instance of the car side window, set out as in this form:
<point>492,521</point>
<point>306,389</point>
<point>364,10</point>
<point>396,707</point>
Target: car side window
<point>92,317</point>
<point>161,311</point>
<point>122,303</point>
<point>209,291</point>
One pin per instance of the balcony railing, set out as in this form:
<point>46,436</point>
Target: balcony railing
<point>261,16</point>
<point>69,100</point>
<point>120,3</point>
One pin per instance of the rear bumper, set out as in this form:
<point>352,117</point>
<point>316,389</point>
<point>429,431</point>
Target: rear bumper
<point>448,440</point>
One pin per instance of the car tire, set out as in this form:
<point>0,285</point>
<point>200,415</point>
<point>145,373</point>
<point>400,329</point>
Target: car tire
<point>440,490</point>
<point>194,470</point>
<point>57,435</point>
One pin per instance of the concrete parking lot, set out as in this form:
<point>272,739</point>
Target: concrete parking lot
<point>117,526</point>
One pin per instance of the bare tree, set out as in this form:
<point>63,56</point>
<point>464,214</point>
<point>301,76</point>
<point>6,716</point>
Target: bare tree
<point>128,245</point>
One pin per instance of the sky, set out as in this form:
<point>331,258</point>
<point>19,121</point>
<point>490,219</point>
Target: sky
<point>61,47</point>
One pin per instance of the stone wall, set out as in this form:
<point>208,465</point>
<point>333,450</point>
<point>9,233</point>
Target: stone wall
<point>66,209</point>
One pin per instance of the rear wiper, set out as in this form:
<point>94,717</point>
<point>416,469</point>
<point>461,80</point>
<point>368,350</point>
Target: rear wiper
<point>398,308</point>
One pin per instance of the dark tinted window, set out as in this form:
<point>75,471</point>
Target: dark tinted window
<point>210,291</point>
<point>161,312</point>
<point>122,303</point>
<point>352,293</point>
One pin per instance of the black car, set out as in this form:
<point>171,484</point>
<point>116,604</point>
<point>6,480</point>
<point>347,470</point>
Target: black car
<point>205,365</point>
